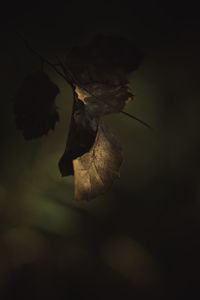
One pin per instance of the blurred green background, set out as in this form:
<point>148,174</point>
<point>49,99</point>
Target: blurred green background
<point>141,240</point>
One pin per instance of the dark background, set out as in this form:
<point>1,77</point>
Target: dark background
<point>141,239</point>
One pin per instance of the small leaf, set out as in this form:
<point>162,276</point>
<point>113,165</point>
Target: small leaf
<point>34,105</point>
<point>101,99</point>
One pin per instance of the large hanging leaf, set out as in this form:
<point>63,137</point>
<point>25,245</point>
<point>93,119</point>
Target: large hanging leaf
<point>99,72</point>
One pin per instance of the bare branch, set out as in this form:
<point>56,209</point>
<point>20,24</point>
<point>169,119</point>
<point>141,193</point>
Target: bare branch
<point>42,58</point>
<point>133,117</point>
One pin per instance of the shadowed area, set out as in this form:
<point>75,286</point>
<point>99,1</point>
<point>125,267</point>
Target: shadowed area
<point>141,239</point>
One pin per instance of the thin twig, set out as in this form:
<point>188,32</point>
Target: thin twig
<point>66,71</point>
<point>41,57</point>
<point>133,117</point>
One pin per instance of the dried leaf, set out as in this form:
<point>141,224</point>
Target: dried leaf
<point>101,99</point>
<point>34,105</point>
<point>99,72</point>
<point>96,170</point>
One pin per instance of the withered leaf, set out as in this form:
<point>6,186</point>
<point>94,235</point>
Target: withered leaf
<point>95,171</point>
<point>99,72</point>
<point>101,99</point>
<point>34,105</point>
